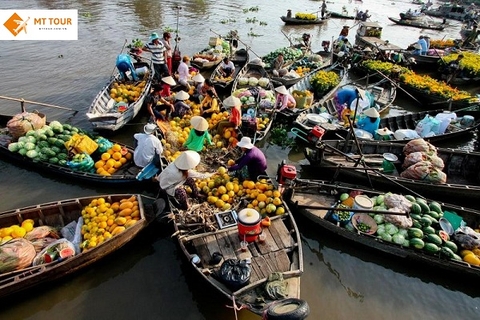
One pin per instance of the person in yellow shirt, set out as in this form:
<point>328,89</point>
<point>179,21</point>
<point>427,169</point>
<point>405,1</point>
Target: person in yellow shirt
<point>209,104</point>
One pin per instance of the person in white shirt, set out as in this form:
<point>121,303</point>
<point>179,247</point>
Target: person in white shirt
<point>227,67</point>
<point>183,73</point>
<point>149,148</point>
<point>180,173</point>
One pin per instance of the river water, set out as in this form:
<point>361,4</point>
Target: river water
<point>148,279</point>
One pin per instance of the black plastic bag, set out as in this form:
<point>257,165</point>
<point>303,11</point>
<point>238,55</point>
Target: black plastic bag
<point>235,273</point>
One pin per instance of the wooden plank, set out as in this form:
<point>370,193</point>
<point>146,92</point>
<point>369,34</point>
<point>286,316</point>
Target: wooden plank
<point>226,247</point>
<point>262,266</point>
<point>281,235</point>
<point>282,261</point>
<point>256,273</point>
<point>212,244</point>
<point>233,236</point>
<point>269,245</point>
<point>202,250</point>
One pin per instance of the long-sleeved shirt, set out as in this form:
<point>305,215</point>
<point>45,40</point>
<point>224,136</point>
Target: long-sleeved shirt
<point>210,103</point>
<point>255,161</point>
<point>183,72</point>
<point>148,146</point>
<point>366,124</point>
<point>171,177</point>
<point>124,64</point>
<point>195,142</point>
<point>235,117</point>
<point>346,95</point>
<point>283,100</point>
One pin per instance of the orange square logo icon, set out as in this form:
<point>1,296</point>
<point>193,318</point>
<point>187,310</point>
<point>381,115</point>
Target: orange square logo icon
<point>15,24</point>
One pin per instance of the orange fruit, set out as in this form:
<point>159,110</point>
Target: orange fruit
<point>117,155</point>
<point>261,197</point>
<point>111,170</point>
<point>117,164</point>
<point>128,156</point>
<point>105,156</point>
<point>116,147</point>
<point>123,160</point>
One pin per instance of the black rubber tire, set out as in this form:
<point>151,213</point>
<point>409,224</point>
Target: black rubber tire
<point>301,310</point>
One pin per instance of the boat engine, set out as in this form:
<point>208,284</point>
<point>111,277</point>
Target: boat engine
<point>285,173</point>
<point>315,134</point>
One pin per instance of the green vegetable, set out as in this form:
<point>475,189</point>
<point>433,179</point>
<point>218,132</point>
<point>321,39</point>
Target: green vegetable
<point>13,147</point>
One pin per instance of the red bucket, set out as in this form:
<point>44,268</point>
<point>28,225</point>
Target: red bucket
<point>249,224</point>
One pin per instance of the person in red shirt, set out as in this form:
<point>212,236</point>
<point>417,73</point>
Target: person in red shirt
<point>235,119</point>
<point>167,83</point>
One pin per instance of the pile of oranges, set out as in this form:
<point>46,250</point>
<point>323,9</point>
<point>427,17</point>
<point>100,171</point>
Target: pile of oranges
<point>128,93</point>
<point>112,160</point>
<point>16,231</point>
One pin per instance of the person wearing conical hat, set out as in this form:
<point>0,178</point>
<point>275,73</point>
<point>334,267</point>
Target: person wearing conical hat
<point>148,146</point>
<point>252,159</point>
<point>181,173</point>
<point>167,83</point>
<point>198,135</point>
<point>284,99</point>
<point>235,120</point>
<point>180,107</point>
<point>159,56</point>
<point>198,81</point>
<point>369,121</point>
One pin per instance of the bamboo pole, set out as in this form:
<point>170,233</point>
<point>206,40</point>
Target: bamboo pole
<point>23,101</point>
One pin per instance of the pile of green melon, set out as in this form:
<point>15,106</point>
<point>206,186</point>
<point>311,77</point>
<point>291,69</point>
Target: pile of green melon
<point>46,144</point>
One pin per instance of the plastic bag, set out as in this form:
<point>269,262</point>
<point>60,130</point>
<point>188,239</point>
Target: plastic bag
<point>437,162</point>
<point>400,221</point>
<point>427,125</point>
<point>80,143</point>
<point>413,158</point>
<point>23,122</point>
<point>52,252</point>
<point>417,171</point>
<point>16,254</point>
<point>42,232</point>
<point>436,176</point>
<point>419,145</point>
<point>81,162</point>
<point>398,201</point>
<point>103,144</point>
<point>406,134</point>
<point>235,273</point>
<point>467,238</point>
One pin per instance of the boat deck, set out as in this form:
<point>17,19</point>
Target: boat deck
<point>270,256</point>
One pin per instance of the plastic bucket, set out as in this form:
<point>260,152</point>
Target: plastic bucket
<point>141,71</point>
<point>249,224</point>
<point>362,202</point>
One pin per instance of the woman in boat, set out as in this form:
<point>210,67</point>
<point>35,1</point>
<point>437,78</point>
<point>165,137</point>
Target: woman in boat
<point>253,160</point>
<point>155,109</point>
<point>284,99</point>
<point>343,98</point>
<point>209,104</point>
<point>235,119</point>
<point>198,81</point>
<point>167,83</point>
<point>180,107</point>
<point>168,49</point>
<point>369,121</point>
<point>344,33</point>
<point>124,64</point>
<point>278,64</point>
<point>179,174</point>
<point>184,73</point>
<point>148,147</point>
<point>199,135</point>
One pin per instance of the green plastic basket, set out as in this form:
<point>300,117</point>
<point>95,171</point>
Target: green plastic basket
<point>454,219</point>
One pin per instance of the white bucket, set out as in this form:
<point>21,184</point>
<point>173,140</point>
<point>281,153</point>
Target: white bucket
<point>141,71</point>
<point>362,202</point>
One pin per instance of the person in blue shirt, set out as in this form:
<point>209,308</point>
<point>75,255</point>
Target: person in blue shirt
<point>343,98</point>
<point>124,64</point>
<point>423,45</point>
<point>369,121</point>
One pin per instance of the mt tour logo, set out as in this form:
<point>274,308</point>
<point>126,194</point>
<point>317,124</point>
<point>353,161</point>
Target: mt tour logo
<point>39,24</point>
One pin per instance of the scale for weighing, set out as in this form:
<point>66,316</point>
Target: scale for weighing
<point>226,219</point>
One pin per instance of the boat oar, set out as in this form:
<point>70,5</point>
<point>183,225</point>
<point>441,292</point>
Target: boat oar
<point>361,159</point>
<point>22,101</point>
<point>288,38</point>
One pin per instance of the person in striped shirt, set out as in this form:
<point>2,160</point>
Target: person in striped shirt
<point>159,56</point>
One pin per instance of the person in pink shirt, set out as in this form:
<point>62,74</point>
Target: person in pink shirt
<point>284,99</point>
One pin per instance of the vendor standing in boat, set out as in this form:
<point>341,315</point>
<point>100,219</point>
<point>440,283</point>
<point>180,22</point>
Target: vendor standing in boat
<point>289,13</point>
<point>284,99</point>
<point>179,174</point>
<point>148,147</point>
<point>253,160</point>
<point>369,121</point>
<point>159,56</point>
<point>198,135</point>
<point>323,9</point>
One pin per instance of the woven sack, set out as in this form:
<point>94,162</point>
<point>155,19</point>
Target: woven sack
<point>24,122</point>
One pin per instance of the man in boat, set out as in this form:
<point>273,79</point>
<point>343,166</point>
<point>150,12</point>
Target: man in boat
<point>453,68</point>
<point>159,56</point>
<point>365,16</point>
<point>148,147</point>
<point>278,64</point>
<point>124,64</point>
<point>252,159</point>
<point>227,68</point>
<point>289,13</point>
<point>154,108</point>
<point>181,173</point>
<point>323,9</point>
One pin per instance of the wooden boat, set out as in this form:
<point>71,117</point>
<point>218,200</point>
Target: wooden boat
<point>281,253</point>
<point>305,84</point>
<point>314,199</point>
<point>424,61</point>
<point>126,174</point>
<point>324,113</point>
<point>204,61</point>
<point>409,15</point>
<point>338,15</point>
<point>448,10</point>
<point>239,59</point>
<point>106,114</point>
<point>369,35</point>
<point>57,215</point>
<point>295,21</point>
<point>254,109</point>
<point>417,23</point>
<point>461,168</point>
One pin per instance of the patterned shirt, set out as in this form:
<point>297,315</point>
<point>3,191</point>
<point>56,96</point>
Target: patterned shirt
<point>157,51</point>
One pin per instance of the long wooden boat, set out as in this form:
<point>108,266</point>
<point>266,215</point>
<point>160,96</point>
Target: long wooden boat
<point>417,24</point>
<point>338,15</point>
<point>369,34</point>
<point>448,10</point>
<point>461,168</point>
<point>205,232</point>
<point>239,59</point>
<point>425,61</point>
<point>56,215</point>
<point>305,84</point>
<point>295,21</point>
<point>314,199</point>
<point>105,113</point>
<point>204,61</point>
<point>126,174</point>
<point>254,108</point>
<point>324,113</point>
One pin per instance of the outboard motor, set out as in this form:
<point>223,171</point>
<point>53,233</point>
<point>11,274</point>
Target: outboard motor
<point>285,173</point>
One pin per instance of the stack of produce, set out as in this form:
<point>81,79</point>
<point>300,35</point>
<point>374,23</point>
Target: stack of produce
<point>305,16</point>
<point>469,65</point>
<point>324,81</point>
<point>303,98</point>
<point>213,52</point>
<point>290,55</point>
<point>422,163</point>
<point>248,96</point>
<point>128,93</point>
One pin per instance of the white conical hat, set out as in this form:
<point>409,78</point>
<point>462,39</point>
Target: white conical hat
<point>187,160</point>
<point>198,78</point>
<point>281,90</point>
<point>231,102</point>
<point>372,113</point>
<point>169,80</point>
<point>199,123</point>
<point>245,142</point>
<point>182,95</point>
